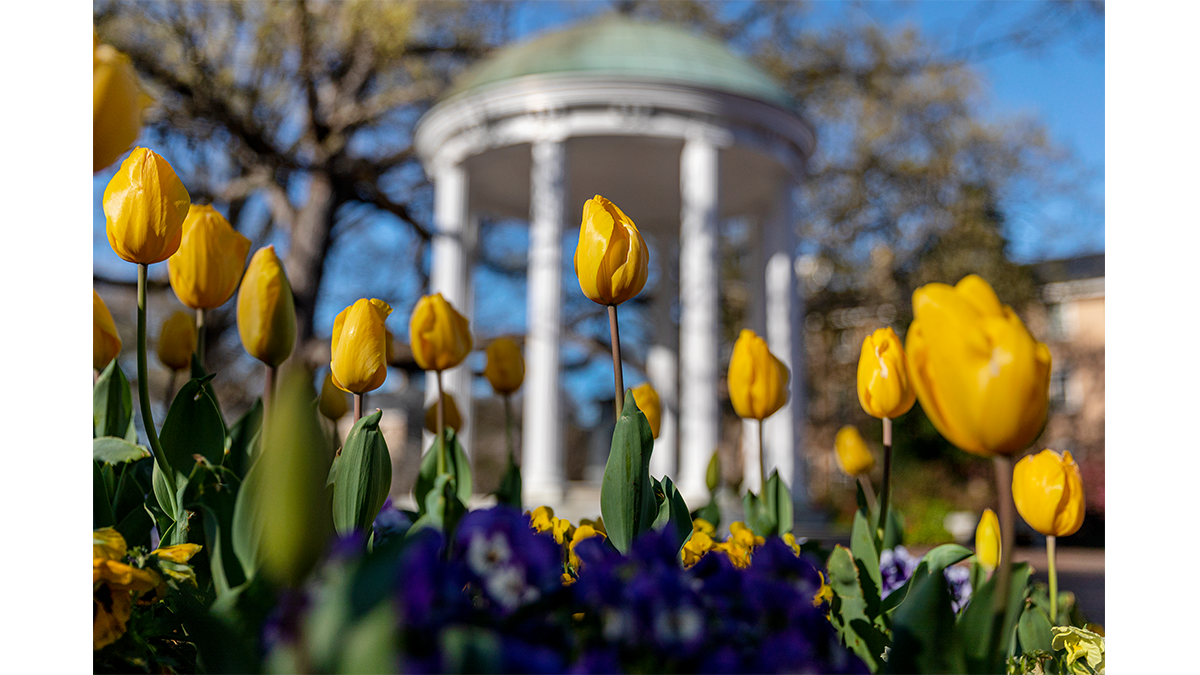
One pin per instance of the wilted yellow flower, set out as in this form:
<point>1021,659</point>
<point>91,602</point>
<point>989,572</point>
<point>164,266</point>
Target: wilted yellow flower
<point>453,418</point>
<point>108,544</point>
<point>884,389</point>
<point>359,362</point>
<point>177,341</point>
<point>106,343</point>
<point>505,367</point>
<point>117,104</point>
<point>145,205</point>
<point>541,519</point>
<point>758,382</point>
<point>266,314</point>
<point>112,583</point>
<point>1048,491</point>
<point>824,594</point>
<point>333,400</point>
<point>206,269</point>
<point>790,540</point>
<point>611,260</point>
<point>740,545</point>
<point>987,540</point>
<point>1080,643</point>
<point>981,378</point>
<point>647,401</point>
<point>700,543</point>
<point>440,336</point>
<point>582,532</point>
<point>853,455</point>
<point>180,553</point>
<point>597,524</point>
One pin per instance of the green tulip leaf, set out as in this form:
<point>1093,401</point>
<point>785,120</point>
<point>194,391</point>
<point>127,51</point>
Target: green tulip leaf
<point>848,609</point>
<point>193,427</point>
<point>242,442</point>
<point>102,513</point>
<point>1034,631</point>
<point>759,518</point>
<point>442,508</point>
<point>112,403</point>
<point>924,635</point>
<point>709,512</point>
<point>673,512</point>
<point>247,524</point>
<point>111,450</point>
<point>712,477</point>
<point>934,562</point>
<point>363,477</point>
<point>164,492</point>
<point>457,465</point>
<point>509,492</point>
<point>862,545</point>
<point>978,618</point>
<point>627,501</point>
<point>778,501</point>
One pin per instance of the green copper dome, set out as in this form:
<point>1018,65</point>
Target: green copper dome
<point>624,47</point>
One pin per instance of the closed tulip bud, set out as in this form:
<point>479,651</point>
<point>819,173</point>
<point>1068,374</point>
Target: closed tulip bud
<point>505,367</point>
<point>359,347</point>
<point>440,336</point>
<point>117,104</point>
<point>980,376</point>
<point>106,344</point>
<point>177,341</point>
<point>758,382</point>
<point>450,411</point>
<point>987,540</point>
<point>266,314</point>
<point>145,205</point>
<point>647,401</point>
<point>206,269</point>
<point>333,400</point>
<point>1048,491</point>
<point>611,259</point>
<point>883,386</point>
<point>853,455</point>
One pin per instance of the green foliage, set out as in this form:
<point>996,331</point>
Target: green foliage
<point>457,465</point>
<point>112,405</point>
<point>672,510</point>
<point>627,501</point>
<point>924,635</point>
<point>244,439</point>
<point>442,508</point>
<point>864,633</point>
<point>771,514</point>
<point>193,426</point>
<point>363,477</point>
<point>509,492</point>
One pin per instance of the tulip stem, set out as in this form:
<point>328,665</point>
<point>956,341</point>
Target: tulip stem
<point>144,379</point>
<point>358,406</point>
<point>762,461</point>
<point>269,387</point>
<point>200,333</point>
<point>1001,606</point>
<point>1053,571</point>
<point>618,377</point>
<point>885,490</point>
<point>512,453</point>
<point>865,482</point>
<point>441,427</point>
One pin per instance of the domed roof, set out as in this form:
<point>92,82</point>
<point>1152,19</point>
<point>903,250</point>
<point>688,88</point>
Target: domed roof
<point>623,47</point>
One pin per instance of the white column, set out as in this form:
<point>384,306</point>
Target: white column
<point>450,275</point>
<point>756,281</point>
<point>542,446</point>
<point>785,311</point>
<point>698,321</point>
<point>662,363</point>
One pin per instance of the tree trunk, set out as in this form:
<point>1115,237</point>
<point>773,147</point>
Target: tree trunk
<point>310,240</point>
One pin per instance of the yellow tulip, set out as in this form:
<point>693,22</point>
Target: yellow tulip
<point>206,269</point>
<point>647,401</point>
<point>453,417</point>
<point>117,104</point>
<point>440,336</point>
<point>758,382</point>
<point>177,341</point>
<point>980,376</point>
<point>266,314</point>
<point>145,205</point>
<point>333,400</point>
<point>987,540</point>
<point>505,367</point>
<point>359,347</point>
<point>884,389</point>
<point>106,343</point>
<point>853,455</point>
<point>1048,491</point>
<point>611,259</point>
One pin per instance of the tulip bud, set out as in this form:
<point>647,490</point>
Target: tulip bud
<point>1048,491</point>
<point>883,386</point>
<point>853,455</point>
<point>266,314</point>
<point>359,346</point>
<point>611,259</point>
<point>177,341</point>
<point>453,417</point>
<point>981,378</point>
<point>145,205</point>
<point>987,540</point>
<point>106,344</point>
<point>505,368</point>
<point>712,477</point>
<point>333,400</point>
<point>206,269</point>
<point>117,104</point>
<point>647,401</point>
<point>440,336</point>
<point>758,382</point>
